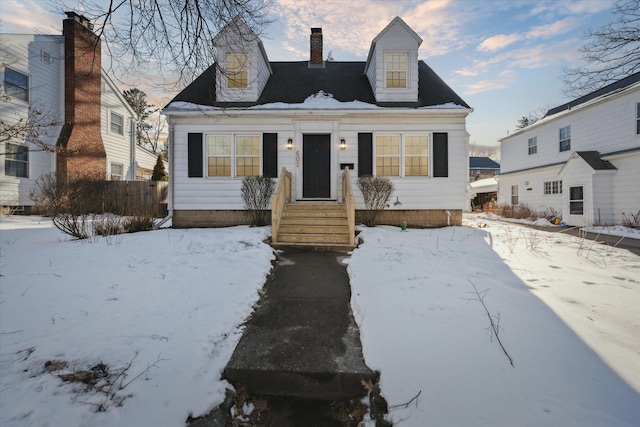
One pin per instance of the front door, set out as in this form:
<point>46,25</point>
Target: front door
<point>316,166</point>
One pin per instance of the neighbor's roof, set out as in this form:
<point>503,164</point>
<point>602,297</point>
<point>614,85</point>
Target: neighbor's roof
<point>482,163</point>
<point>294,82</point>
<point>613,87</point>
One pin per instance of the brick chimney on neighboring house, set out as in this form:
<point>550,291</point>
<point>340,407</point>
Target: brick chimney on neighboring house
<point>81,150</point>
<point>316,48</point>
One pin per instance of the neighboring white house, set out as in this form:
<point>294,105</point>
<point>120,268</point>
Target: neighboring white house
<point>41,78</point>
<point>390,116</point>
<point>582,160</point>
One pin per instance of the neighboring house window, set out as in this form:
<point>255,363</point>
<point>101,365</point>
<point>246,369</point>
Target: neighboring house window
<point>247,155</point>
<point>116,171</point>
<point>514,194</point>
<point>638,118</point>
<point>533,145</point>
<point>576,201</point>
<point>416,155</point>
<point>396,69</point>
<point>565,138</point>
<point>219,155</point>
<point>16,84</point>
<point>117,123</point>
<point>46,57</point>
<point>553,187</point>
<point>16,161</point>
<point>237,70</point>
<point>387,155</point>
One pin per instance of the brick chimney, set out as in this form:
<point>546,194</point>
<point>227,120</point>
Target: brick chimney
<point>81,150</point>
<point>316,48</point>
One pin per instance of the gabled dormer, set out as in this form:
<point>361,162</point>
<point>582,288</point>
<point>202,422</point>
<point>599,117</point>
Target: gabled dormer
<point>392,64</point>
<point>242,65</point>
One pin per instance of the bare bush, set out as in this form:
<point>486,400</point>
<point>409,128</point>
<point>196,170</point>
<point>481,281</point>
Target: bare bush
<point>520,211</point>
<point>48,194</point>
<point>107,225</point>
<point>377,191</point>
<point>632,221</point>
<point>74,225</point>
<point>140,221</point>
<point>256,194</point>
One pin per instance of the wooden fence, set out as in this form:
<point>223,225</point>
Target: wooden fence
<point>136,197</point>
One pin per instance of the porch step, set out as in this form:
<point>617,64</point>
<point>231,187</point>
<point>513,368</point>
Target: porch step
<point>311,224</point>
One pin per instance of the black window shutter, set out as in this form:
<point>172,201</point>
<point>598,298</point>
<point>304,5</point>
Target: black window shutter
<point>441,154</point>
<point>270,155</point>
<point>194,155</point>
<point>365,154</point>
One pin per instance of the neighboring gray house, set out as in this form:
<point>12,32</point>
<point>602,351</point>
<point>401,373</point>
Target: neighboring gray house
<point>482,167</point>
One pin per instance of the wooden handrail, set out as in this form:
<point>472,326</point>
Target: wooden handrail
<point>350,204</point>
<point>281,196</point>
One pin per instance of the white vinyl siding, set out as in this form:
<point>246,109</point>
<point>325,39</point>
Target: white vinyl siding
<point>117,135</point>
<point>638,118</point>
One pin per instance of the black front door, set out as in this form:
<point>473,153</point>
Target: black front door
<point>316,166</point>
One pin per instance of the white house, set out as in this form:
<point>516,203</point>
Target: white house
<point>57,79</point>
<point>390,116</point>
<point>582,160</point>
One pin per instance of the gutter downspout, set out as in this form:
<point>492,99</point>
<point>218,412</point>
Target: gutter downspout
<point>132,143</point>
<point>170,189</point>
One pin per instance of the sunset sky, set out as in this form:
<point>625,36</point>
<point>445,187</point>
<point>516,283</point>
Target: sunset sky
<point>504,58</point>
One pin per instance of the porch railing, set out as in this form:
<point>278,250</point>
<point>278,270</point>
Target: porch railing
<point>279,198</point>
<point>350,204</point>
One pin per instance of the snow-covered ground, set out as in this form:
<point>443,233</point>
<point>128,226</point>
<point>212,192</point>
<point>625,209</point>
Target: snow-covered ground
<point>170,303</point>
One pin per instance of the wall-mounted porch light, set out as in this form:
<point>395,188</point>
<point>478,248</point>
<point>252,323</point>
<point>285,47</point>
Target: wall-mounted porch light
<point>343,144</point>
<point>289,144</point>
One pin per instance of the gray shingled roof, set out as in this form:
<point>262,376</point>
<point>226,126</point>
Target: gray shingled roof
<point>482,163</point>
<point>293,82</point>
<point>613,87</point>
<point>593,159</point>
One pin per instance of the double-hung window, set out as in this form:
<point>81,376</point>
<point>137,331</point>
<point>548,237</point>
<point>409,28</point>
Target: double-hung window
<point>16,161</point>
<point>117,171</point>
<point>396,69</point>
<point>514,195</point>
<point>565,138</point>
<point>402,155</point>
<point>237,70</point>
<point>233,155</point>
<point>16,84</point>
<point>116,123</point>
<point>533,145</point>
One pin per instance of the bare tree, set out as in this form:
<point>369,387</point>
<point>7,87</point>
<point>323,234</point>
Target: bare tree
<point>491,151</point>
<point>174,36</point>
<point>29,125</point>
<point>613,52</point>
<point>532,117</point>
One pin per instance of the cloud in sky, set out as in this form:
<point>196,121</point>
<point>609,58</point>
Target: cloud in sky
<point>554,29</point>
<point>498,42</point>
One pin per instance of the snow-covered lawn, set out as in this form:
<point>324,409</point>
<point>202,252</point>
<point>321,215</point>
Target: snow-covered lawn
<point>568,316</point>
<point>170,303</point>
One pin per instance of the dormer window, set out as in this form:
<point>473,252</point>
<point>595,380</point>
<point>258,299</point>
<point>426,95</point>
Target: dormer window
<point>237,70</point>
<point>396,69</point>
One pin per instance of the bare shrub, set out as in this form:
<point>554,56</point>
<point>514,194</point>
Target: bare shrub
<point>74,225</point>
<point>48,194</point>
<point>140,221</point>
<point>520,211</point>
<point>107,225</point>
<point>256,194</point>
<point>377,191</point>
<point>632,221</point>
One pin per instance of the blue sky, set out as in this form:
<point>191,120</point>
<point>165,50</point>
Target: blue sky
<point>504,58</point>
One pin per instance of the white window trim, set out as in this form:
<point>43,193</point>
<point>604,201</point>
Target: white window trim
<point>535,146</point>
<point>28,100</point>
<point>111,174</point>
<point>234,174</point>
<point>111,112</point>
<point>552,189</point>
<point>401,165</point>
<point>407,70</point>
<point>576,200</point>
<point>28,161</point>
<point>566,139</point>
<point>248,70</point>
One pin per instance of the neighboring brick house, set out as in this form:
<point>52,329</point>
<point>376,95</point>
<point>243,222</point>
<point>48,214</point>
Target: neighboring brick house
<point>581,160</point>
<point>482,167</point>
<point>60,76</point>
<point>390,115</point>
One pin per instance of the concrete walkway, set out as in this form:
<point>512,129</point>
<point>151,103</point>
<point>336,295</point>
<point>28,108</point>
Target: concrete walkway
<point>302,340</point>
